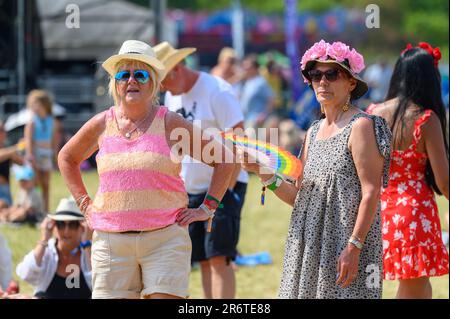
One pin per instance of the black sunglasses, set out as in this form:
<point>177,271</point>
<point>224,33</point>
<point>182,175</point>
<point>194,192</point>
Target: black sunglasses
<point>331,75</point>
<point>73,224</point>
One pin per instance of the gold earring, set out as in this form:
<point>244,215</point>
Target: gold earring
<point>322,109</point>
<point>347,105</point>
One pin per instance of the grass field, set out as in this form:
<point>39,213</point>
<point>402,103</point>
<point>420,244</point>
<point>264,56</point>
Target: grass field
<point>263,228</point>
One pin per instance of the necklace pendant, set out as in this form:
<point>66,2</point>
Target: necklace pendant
<point>127,135</point>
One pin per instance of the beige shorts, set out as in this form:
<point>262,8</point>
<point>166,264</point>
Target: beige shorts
<point>133,266</point>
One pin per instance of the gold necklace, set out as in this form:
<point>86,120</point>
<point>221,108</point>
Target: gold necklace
<point>136,125</point>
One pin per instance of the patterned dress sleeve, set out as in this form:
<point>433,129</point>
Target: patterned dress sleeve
<point>383,136</point>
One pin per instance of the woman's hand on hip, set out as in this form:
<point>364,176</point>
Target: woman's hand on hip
<point>191,215</point>
<point>347,266</point>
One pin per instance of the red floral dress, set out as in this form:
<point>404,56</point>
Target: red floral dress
<point>412,242</point>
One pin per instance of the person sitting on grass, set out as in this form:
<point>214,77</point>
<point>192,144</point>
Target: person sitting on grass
<point>55,265</point>
<point>8,155</point>
<point>28,206</point>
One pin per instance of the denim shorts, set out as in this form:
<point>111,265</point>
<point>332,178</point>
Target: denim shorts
<point>5,194</point>
<point>224,235</point>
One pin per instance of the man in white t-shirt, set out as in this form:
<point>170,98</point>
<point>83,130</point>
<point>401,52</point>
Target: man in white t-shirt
<point>211,103</point>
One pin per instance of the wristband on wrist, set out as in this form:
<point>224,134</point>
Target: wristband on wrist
<point>269,181</point>
<point>85,244</point>
<point>212,205</point>
<point>207,210</point>
<point>273,186</point>
<point>355,242</point>
<point>272,183</point>
<point>212,198</point>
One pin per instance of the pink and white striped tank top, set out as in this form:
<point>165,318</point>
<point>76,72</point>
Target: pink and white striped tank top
<point>140,187</point>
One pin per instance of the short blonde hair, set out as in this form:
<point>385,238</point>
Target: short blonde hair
<point>156,82</point>
<point>43,98</point>
<point>227,53</point>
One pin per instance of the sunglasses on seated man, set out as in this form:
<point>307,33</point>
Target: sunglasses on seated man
<point>73,224</point>
<point>142,76</point>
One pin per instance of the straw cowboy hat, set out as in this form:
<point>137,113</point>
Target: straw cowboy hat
<point>67,210</point>
<point>138,51</point>
<point>170,56</point>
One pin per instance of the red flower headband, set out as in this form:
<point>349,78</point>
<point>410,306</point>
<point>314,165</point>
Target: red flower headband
<point>434,52</point>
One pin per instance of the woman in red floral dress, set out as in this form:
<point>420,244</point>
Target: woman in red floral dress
<point>413,250</point>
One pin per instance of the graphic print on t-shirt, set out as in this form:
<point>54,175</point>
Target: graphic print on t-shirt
<point>188,116</point>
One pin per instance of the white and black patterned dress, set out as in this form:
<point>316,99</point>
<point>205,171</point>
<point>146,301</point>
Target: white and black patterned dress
<point>323,219</point>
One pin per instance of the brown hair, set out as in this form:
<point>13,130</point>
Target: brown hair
<point>43,98</point>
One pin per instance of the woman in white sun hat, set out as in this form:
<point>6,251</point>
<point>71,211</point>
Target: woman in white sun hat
<point>140,248</point>
<point>59,266</point>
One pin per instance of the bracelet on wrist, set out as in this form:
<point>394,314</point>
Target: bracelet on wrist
<point>269,181</point>
<point>210,214</point>
<point>83,203</point>
<point>207,210</point>
<point>43,243</point>
<point>355,242</point>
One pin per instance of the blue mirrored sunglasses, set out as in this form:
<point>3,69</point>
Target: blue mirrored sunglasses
<point>141,76</point>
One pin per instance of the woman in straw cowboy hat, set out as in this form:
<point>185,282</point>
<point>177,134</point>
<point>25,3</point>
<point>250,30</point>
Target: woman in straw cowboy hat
<point>56,264</point>
<point>141,246</point>
<point>334,247</point>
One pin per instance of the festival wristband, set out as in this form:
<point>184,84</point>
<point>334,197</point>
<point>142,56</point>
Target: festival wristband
<point>85,244</point>
<point>273,186</point>
<point>207,210</point>
<point>212,198</point>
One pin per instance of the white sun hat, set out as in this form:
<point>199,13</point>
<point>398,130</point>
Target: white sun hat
<point>67,210</point>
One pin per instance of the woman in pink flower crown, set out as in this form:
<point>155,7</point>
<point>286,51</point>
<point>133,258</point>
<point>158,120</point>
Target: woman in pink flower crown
<point>334,247</point>
<point>413,247</point>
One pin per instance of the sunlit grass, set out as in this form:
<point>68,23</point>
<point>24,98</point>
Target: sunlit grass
<point>263,228</point>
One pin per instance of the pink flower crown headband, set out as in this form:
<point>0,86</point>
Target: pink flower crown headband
<point>434,52</point>
<point>338,51</point>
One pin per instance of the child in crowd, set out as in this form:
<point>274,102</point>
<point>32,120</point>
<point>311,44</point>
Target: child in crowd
<point>40,138</point>
<point>28,206</point>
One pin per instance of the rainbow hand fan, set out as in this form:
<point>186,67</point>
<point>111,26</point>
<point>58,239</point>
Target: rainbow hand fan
<point>268,155</point>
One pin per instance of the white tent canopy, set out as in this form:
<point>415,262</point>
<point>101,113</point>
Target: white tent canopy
<point>104,26</point>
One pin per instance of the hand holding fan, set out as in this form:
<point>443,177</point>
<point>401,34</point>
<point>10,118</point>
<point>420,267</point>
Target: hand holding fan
<point>268,155</point>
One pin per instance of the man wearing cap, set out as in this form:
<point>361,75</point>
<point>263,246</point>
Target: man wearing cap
<point>211,103</point>
<point>59,267</point>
